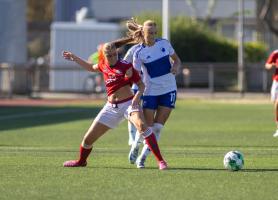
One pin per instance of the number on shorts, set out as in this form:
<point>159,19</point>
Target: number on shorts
<point>173,98</point>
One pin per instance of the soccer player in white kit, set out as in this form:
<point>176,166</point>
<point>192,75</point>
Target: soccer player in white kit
<point>159,63</point>
<point>272,61</point>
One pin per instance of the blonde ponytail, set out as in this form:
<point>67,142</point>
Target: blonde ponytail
<point>135,30</point>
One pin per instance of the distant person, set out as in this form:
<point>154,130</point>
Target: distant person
<point>159,63</point>
<point>121,102</point>
<point>272,61</point>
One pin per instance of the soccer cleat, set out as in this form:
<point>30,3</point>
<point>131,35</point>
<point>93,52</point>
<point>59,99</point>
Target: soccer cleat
<point>140,163</point>
<point>275,134</point>
<point>133,154</point>
<point>74,163</point>
<point>162,165</point>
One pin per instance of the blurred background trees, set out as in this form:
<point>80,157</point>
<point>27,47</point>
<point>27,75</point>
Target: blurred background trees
<point>39,18</point>
<point>39,11</point>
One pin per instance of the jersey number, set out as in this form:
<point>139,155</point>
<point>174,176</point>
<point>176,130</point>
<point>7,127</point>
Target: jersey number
<point>173,98</point>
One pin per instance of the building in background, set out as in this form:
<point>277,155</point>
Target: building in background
<point>13,44</point>
<point>65,9</point>
<point>81,38</point>
<point>75,30</point>
<point>13,48</point>
<point>220,12</point>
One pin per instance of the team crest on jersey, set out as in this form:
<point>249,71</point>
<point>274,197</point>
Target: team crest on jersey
<point>148,57</point>
<point>111,78</point>
<point>163,49</point>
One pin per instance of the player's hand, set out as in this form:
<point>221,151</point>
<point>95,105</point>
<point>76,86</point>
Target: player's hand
<point>174,69</point>
<point>135,102</point>
<point>68,55</point>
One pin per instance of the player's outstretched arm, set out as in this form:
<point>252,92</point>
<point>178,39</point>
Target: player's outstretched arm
<point>84,64</point>
<point>269,65</point>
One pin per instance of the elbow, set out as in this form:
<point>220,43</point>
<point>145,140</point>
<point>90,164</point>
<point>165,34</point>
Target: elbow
<point>143,87</point>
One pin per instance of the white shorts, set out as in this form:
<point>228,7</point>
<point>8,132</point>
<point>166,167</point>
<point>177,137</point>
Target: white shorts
<point>274,91</point>
<point>113,114</point>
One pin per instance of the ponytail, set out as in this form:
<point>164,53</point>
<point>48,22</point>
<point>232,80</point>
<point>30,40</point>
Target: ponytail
<point>135,30</point>
<point>122,41</point>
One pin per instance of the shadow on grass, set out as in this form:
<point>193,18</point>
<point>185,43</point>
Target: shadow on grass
<point>156,168</point>
<point>217,169</point>
<point>260,170</point>
<point>188,169</point>
<point>16,117</point>
<point>184,169</point>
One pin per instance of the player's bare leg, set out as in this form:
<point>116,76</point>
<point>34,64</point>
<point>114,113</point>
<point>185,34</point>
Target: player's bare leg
<point>276,117</point>
<point>161,116</point>
<point>95,131</point>
<point>149,137</point>
<point>131,133</point>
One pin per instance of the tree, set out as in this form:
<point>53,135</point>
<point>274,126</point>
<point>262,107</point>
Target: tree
<point>210,8</point>
<point>268,13</point>
<point>38,10</point>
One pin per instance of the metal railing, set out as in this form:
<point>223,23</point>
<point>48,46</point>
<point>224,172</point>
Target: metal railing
<point>27,80</point>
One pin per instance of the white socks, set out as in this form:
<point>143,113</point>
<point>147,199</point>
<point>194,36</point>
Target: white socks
<point>131,133</point>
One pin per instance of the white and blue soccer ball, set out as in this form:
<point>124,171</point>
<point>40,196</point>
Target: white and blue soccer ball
<point>233,160</point>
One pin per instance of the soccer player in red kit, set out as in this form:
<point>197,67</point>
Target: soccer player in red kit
<point>122,103</point>
<point>272,61</point>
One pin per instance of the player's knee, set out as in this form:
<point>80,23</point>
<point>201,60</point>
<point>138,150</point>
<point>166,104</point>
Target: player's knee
<point>157,128</point>
<point>141,126</point>
<point>276,105</point>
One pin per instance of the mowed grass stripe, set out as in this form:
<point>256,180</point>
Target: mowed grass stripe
<point>124,151</point>
<point>194,142</point>
<point>41,113</point>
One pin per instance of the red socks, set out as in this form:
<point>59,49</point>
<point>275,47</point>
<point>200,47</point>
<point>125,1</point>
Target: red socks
<point>84,153</point>
<point>152,144</point>
<point>150,141</point>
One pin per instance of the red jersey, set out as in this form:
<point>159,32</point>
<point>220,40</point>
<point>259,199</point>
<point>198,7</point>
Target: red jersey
<point>273,58</point>
<point>114,76</point>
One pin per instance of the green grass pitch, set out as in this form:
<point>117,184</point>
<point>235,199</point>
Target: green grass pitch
<point>35,141</point>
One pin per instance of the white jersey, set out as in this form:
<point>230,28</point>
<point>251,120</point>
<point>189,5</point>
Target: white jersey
<point>129,58</point>
<point>154,61</point>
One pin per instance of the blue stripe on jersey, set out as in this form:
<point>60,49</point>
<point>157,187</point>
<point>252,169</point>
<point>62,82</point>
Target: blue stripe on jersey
<point>158,67</point>
<point>159,39</point>
<point>139,48</point>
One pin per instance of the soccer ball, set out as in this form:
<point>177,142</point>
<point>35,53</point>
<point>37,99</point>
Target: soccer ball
<point>233,160</point>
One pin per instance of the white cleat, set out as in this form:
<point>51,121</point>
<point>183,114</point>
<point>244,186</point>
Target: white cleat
<point>275,134</point>
<point>140,162</point>
<point>140,165</point>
